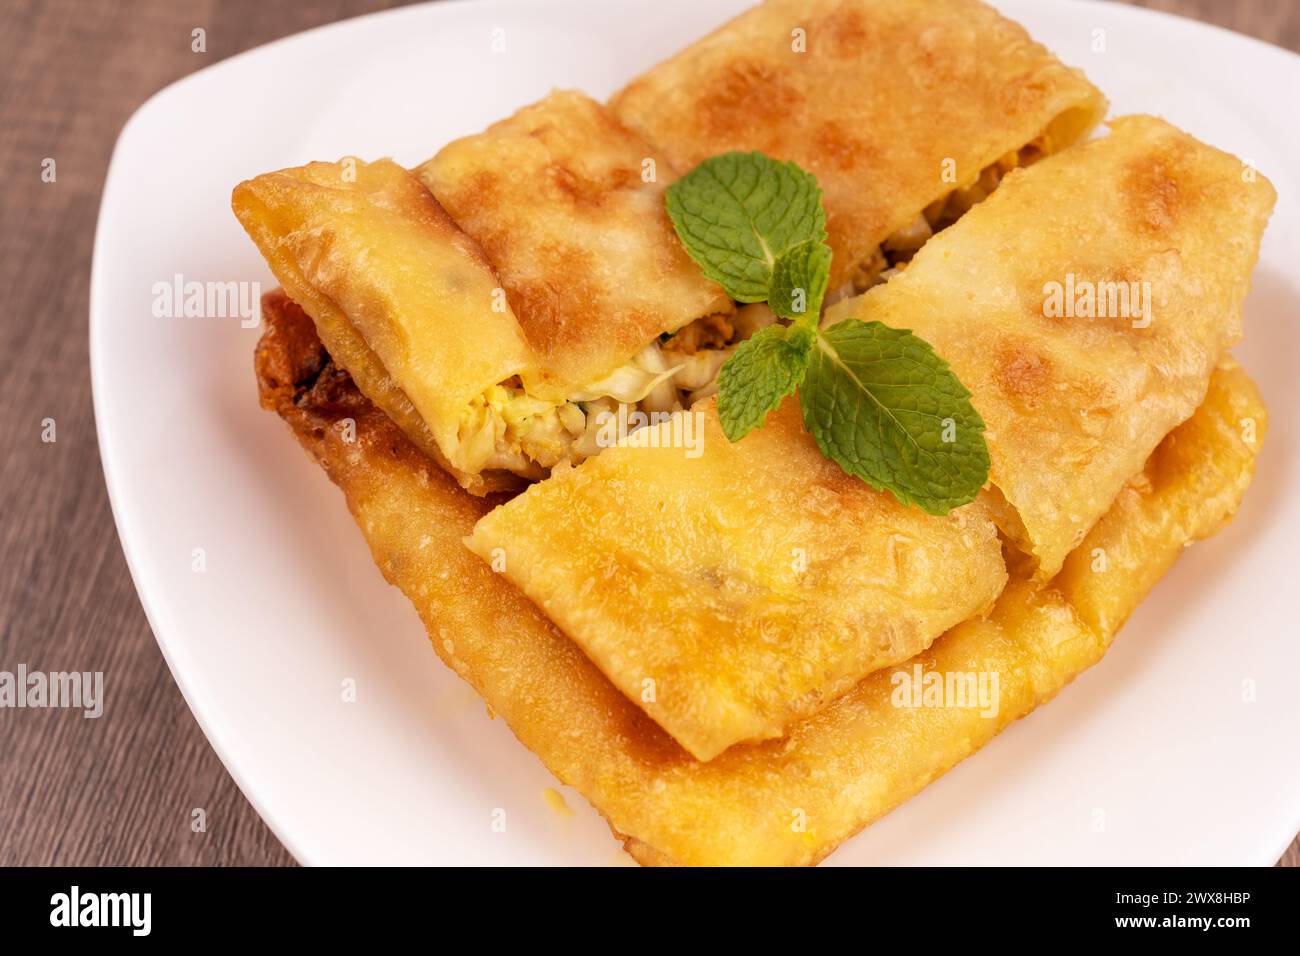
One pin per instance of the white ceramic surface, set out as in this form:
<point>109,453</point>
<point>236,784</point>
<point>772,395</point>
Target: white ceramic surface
<point>1156,741</point>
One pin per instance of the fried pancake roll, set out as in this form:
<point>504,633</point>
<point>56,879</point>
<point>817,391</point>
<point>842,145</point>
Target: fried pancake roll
<point>1086,320</point>
<point>839,769</point>
<point>403,299</point>
<point>568,204</point>
<point>907,111</point>
<point>730,589</point>
<point>559,290</point>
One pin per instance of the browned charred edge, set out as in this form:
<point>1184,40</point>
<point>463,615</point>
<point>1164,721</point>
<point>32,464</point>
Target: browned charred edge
<point>292,365</point>
<point>297,379</point>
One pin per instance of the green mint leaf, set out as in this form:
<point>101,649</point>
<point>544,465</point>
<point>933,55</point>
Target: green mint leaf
<point>799,282</point>
<point>881,404</point>
<point>739,212</point>
<point>763,370</point>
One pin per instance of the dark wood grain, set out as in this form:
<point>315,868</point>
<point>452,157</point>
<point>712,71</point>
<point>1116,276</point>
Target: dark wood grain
<point>122,789</point>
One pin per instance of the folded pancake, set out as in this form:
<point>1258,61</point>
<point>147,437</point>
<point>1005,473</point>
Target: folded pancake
<point>401,297</point>
<point>559,291</point>
<point>568,204</point>
<point>730,589</point>
<point>1085,320</point>
<point>780,802</point>
<point>907,111</point>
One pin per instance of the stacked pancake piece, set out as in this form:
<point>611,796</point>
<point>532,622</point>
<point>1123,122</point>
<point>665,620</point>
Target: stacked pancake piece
<point>702,640</point>
<point>555,286</point>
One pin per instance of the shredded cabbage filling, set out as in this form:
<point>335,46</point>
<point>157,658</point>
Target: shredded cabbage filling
<point>506,428</point>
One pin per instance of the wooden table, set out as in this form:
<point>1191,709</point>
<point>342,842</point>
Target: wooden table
<point>122,789</point>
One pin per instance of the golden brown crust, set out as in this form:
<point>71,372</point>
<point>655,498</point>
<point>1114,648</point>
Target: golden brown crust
<point>1204,458</point>
<point>1075,404</point>
<point>732,588</point>
<point>402,299</point>
<point>886,98</point>
<point>556,197</point>
<point>780,802</point>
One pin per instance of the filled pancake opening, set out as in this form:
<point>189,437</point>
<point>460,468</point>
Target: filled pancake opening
<point>893,255</point>
<point>509,429</point>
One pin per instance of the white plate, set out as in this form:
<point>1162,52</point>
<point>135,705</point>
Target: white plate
<point>1151,757</point>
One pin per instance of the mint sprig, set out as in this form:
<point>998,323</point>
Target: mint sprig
<point>878,401</point>
<point>739,212</point>
<point>763,370</point>
<point>882,404</point>
<point>799,282</point>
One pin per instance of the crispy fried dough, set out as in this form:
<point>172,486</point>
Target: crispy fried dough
<point>890,103</point>
<point>562,200</point>
<point>732,591</point>
<point>1162,231</point>
<point>838,770</point>
<point>404,300</point>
